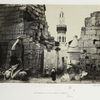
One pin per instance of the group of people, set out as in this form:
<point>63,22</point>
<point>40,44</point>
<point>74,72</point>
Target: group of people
<point>16,70</point>
<point>16,64</point>
<point>52,73</point>
<point>70,73</point>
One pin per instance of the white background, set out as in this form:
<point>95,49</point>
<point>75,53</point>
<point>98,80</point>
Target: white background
<point>31,91</point>
<point>51,1</point>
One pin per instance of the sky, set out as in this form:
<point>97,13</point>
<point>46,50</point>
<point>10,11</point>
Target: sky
<point>74,18</point>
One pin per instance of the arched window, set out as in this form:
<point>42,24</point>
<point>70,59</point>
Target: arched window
<point>65,39</point>
<point>59,38</point>
<point>61,15</point>
<point>62,38</point>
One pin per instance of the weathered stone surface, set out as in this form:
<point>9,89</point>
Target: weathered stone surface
<point>90,36</point>
<point>28,20</point>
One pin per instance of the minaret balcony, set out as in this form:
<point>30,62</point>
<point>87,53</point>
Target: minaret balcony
<point>61,29</point>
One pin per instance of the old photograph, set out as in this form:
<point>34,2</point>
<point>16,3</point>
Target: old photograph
<point>41,43</point>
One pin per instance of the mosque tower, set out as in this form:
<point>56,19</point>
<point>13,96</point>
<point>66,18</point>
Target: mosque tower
<point>61,29</point>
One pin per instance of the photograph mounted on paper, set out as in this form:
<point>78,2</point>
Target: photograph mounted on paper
<point>49,43</point>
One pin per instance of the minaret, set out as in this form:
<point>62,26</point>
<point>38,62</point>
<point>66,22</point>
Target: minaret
<point>61,29</point>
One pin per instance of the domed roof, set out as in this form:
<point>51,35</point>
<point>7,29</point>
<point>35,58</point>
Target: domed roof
<point>73,45</point>
<point>74,42</point>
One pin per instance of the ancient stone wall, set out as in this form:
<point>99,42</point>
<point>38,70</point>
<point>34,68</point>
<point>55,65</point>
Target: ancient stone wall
<point>27,20</point>
<point>90,36</point>
<point>11,25</point>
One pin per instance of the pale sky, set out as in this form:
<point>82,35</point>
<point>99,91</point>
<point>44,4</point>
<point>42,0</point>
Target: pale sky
<point>74,17</point>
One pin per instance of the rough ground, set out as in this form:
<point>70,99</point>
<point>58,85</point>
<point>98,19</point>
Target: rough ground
<point>49,81</point>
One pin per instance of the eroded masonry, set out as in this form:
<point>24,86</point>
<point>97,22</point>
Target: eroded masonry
<point>30,21</point>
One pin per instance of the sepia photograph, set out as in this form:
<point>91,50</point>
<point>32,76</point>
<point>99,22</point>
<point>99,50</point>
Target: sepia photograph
<point>43,43</point>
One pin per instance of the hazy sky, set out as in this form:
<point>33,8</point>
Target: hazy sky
<point>74,17</point>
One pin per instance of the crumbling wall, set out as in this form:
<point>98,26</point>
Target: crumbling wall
<point>28,20</point>
<point>90,35</point>
<point>11,25</point>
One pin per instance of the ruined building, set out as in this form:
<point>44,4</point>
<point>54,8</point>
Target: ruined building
<point>89,42</point>
<point>27,20</point>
